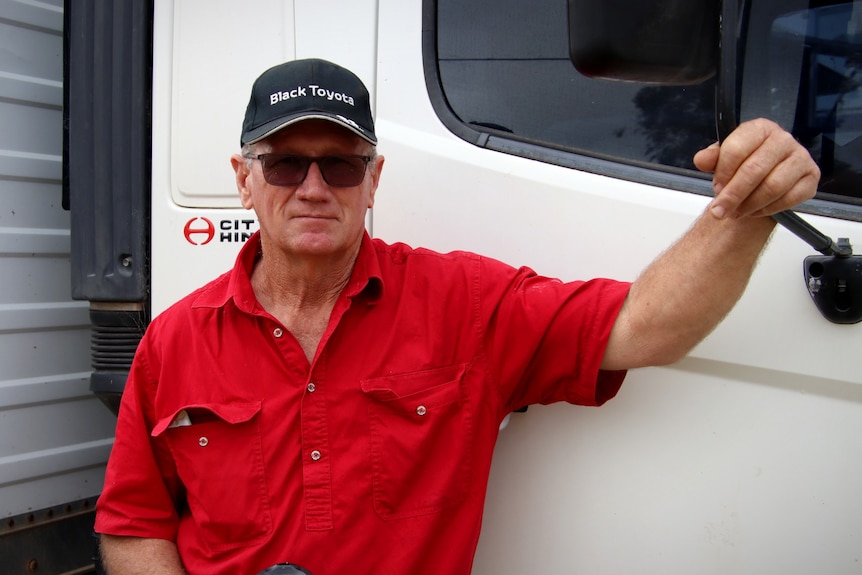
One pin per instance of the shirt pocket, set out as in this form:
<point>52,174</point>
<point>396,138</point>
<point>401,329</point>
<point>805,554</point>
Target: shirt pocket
<point>421,441</point>
<point>219,457</point>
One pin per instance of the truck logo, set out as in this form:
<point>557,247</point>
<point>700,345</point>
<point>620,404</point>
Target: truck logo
<point>200,231</point>
<point>199,234</point>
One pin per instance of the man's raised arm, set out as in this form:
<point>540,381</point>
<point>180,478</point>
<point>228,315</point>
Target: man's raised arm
<point>679,299</point>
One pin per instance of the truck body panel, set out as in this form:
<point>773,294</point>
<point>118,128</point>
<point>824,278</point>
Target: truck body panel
<point>55,435</point>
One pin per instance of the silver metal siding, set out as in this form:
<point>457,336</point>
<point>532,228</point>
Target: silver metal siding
<point>55,437</point>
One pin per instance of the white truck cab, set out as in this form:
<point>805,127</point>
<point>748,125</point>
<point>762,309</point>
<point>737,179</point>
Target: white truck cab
<point>742,457</point>
<point>738,459</point>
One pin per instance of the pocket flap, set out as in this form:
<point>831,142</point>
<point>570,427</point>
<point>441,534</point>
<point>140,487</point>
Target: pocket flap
<point>404,385</point>
<point>202,412</point>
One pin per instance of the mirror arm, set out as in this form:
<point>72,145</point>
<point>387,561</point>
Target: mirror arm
<point>812,236</point>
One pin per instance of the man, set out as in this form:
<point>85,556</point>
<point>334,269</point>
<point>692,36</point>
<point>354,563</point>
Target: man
<point>333,401</point>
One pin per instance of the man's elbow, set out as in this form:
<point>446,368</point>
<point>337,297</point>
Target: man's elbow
<point>638,344</point>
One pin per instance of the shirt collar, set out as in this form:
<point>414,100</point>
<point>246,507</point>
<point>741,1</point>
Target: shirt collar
<point>365,279</point>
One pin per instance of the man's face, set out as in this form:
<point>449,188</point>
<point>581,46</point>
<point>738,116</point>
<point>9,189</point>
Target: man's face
<point>311,219</point>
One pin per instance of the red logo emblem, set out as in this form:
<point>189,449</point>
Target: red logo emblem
<point>199,234</point>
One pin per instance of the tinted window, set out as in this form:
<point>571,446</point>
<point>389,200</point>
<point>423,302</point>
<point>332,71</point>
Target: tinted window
<point>804,68</point>
<point>502,70</point>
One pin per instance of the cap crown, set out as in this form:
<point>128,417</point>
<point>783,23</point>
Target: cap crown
<point>305,89</point>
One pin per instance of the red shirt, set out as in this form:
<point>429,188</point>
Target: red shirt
<point>375,457</point>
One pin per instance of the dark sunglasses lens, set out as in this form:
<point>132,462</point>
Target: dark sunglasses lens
<point>342,171</point>
<point>284,170</point>
<point>339,171</point>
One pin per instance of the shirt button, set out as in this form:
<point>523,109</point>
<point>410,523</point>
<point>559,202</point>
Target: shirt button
<point>311,387</point>
<point>315,455</point>
<point>421,410</point>
<point>278,332</point>
<point>203,441</point>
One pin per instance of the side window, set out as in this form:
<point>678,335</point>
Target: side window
<point>499,74</point>
<point>803,67</point>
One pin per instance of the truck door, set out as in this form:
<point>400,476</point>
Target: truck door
<point>738,459</point>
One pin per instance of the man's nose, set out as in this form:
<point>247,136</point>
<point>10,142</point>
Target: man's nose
<point>313,187</point>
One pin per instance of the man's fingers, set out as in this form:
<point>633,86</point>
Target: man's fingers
<point>741,144</point>
<point>761,170</point>
<point>747,157</point>
<point>706,159</point>
<point>800,192</point>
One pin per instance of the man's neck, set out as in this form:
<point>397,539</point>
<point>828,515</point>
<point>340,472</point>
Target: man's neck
<point>301,293</point>
<point>300,283</point>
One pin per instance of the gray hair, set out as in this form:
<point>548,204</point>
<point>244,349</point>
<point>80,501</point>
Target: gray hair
<point>251,151</point>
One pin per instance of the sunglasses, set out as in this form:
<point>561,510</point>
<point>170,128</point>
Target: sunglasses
<point>344,171</point>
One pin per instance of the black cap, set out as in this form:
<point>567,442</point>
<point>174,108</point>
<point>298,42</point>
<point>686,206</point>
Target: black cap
<point>303,90</point>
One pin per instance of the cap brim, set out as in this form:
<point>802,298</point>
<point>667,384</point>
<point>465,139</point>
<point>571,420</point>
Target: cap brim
<point>274,126</point>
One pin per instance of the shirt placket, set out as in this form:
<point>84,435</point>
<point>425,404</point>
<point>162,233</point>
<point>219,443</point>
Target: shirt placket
<point>316,454</point>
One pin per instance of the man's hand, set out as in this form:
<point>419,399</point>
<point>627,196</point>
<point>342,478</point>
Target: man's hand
<point>758,170</point>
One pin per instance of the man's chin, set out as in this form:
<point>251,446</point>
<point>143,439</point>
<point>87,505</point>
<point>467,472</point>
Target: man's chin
<point>318,245</point>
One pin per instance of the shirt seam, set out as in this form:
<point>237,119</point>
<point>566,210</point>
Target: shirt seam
<point>492,377</point>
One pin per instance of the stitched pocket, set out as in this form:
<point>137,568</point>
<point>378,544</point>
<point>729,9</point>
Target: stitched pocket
<point>421,441</point>
<point>220,461</point>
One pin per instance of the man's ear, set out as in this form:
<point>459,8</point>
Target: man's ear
<point>375,169</point>
<point>242,172</point>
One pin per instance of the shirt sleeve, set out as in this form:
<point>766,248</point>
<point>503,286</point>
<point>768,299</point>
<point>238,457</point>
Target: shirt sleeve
<point>546,338</point>
<point>142,490</point>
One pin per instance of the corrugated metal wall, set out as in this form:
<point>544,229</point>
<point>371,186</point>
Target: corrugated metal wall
<point>54,435</point>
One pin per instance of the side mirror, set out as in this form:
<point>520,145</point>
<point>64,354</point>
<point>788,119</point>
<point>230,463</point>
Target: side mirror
<point>671,42</point>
